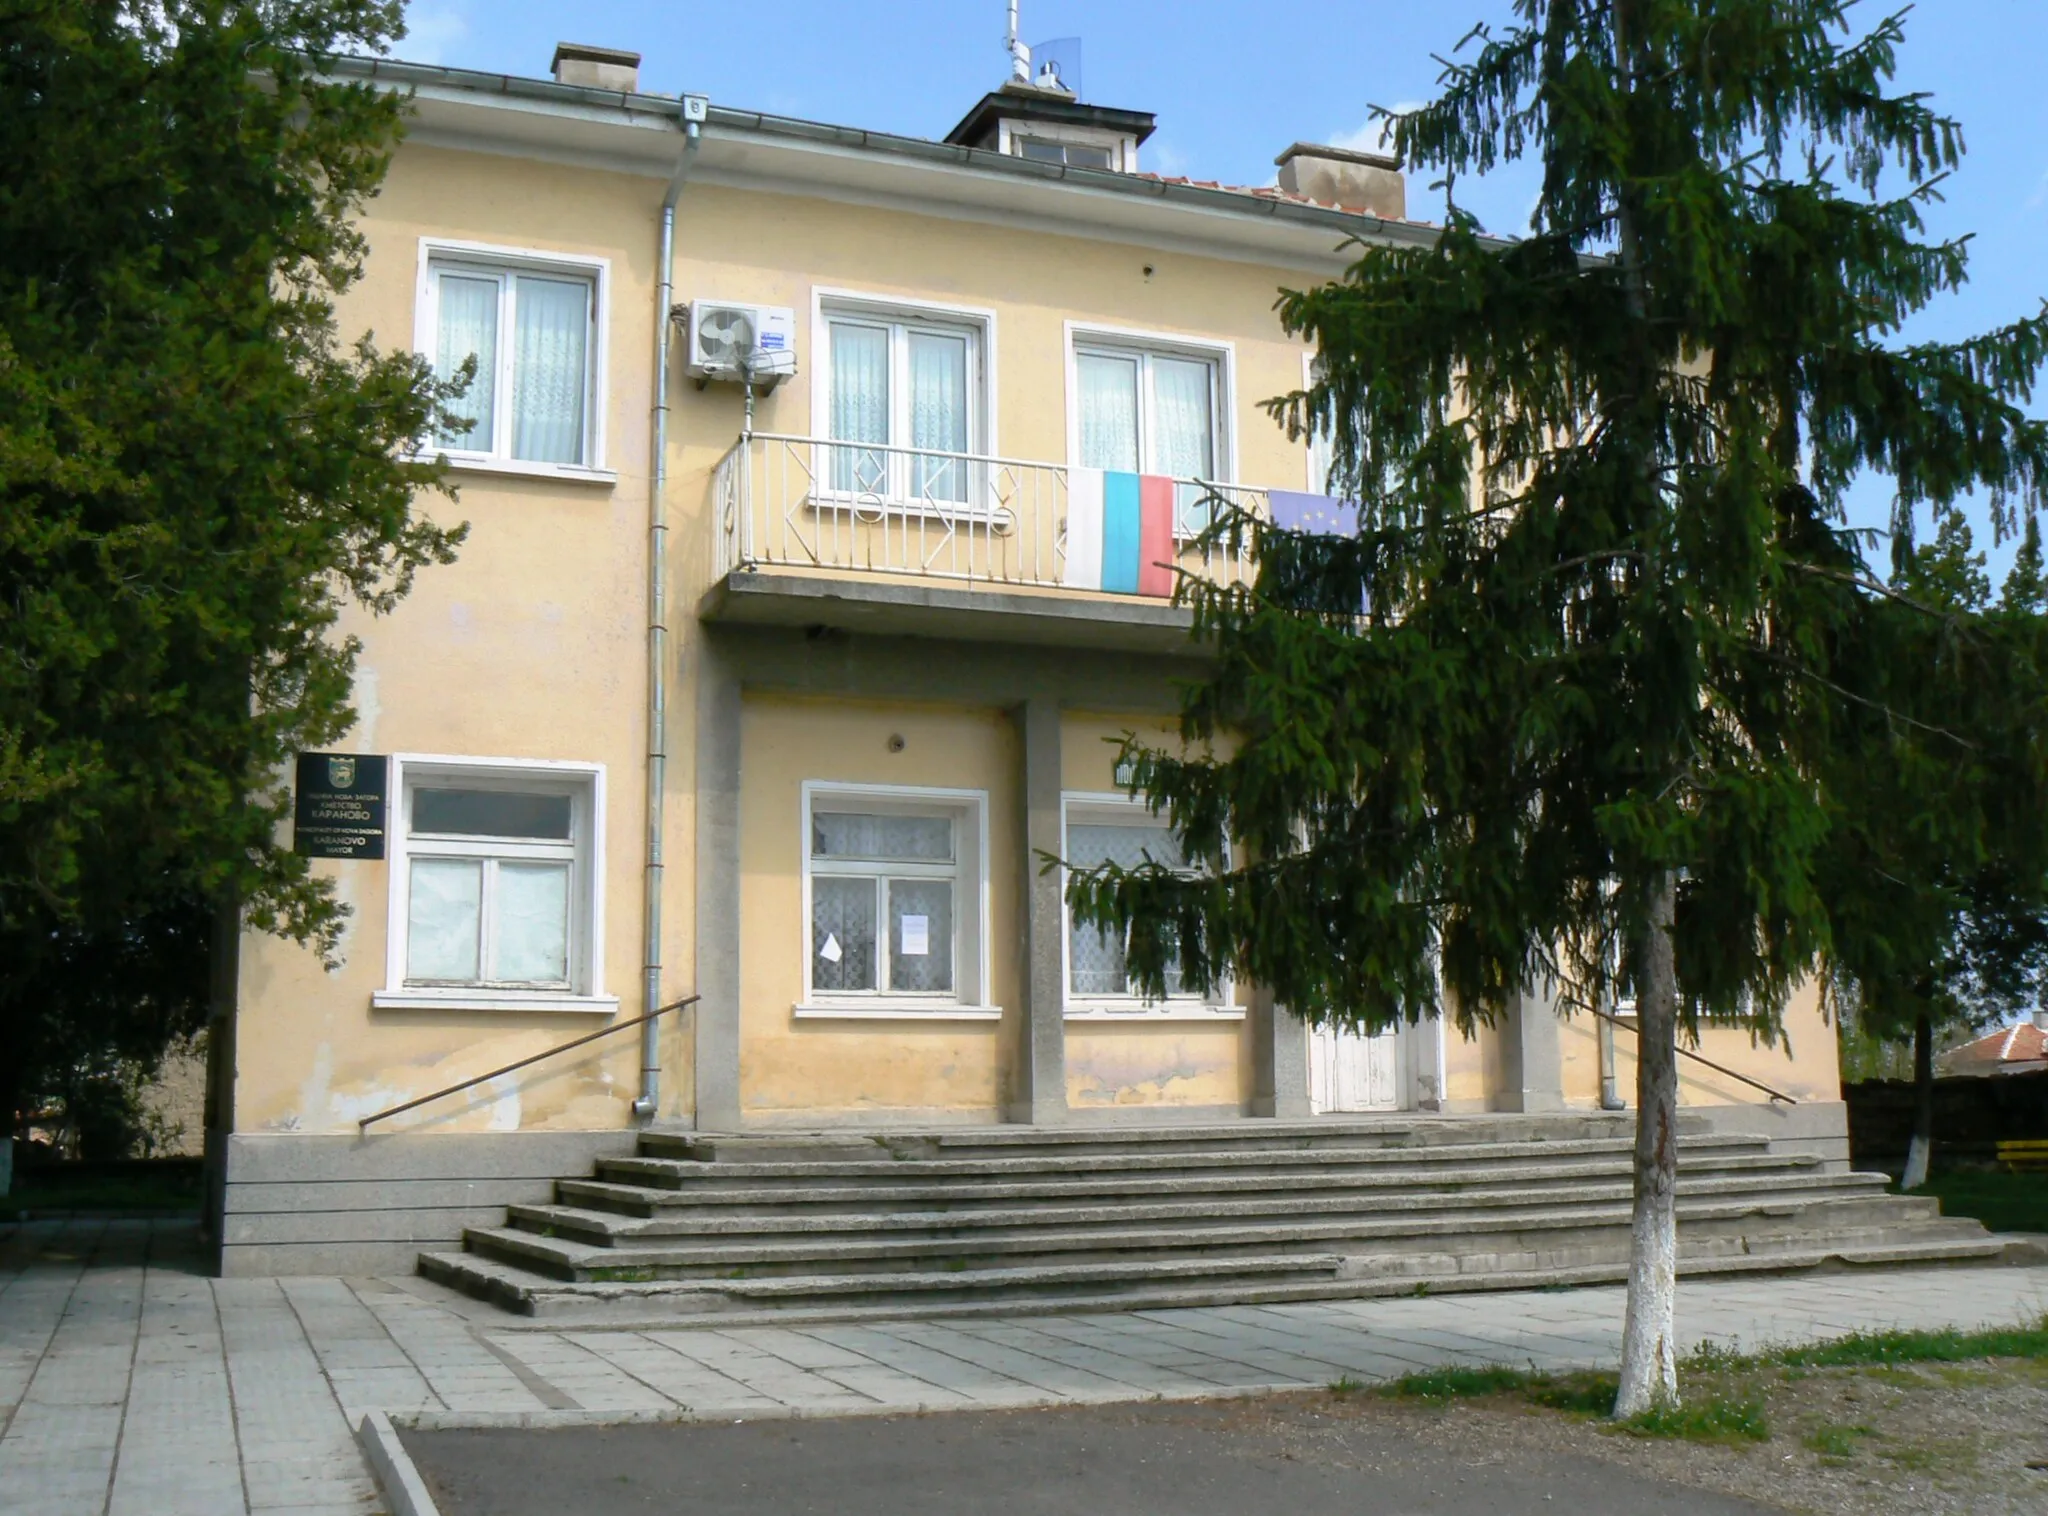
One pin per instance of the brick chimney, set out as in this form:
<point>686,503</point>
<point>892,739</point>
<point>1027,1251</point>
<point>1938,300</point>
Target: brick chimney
<point>1368,183</point>
<point>596,67</point>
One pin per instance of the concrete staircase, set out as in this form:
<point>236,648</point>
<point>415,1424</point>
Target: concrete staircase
<point>1011,1220</point>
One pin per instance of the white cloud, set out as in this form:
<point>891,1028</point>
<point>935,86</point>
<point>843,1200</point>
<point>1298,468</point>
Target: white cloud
<point>1165,158</point>
<point>1376,136</point>
<point>432,30</point>
<point>2040,196</point>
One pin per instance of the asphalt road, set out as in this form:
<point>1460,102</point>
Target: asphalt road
<point>1279,1458</point>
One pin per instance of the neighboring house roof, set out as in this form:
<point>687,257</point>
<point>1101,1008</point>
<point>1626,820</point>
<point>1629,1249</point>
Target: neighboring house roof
<point>2019,1049</point>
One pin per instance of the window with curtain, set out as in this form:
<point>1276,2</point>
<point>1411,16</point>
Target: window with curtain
<point>894,887</point>
<point>494,884</point>
<point>1151,413</point>
<point>1103,830</point>
<point>907,389</point>
<point>531,334</point>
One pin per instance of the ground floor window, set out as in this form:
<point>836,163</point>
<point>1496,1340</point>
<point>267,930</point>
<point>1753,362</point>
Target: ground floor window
<point>895,888</point>
<point>495,882</point>
<point>1117,829</point>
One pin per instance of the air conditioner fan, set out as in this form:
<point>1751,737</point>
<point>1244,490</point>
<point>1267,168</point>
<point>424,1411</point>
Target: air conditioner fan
<point>725,338</point>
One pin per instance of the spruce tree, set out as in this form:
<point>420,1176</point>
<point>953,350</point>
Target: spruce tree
<point>1561,711</point>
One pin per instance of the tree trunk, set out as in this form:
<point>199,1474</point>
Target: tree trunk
<point>1922,1148</point>
<point>220,1071</point>
<point>1649,1356</point>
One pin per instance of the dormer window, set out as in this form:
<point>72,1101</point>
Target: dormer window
<point>1046,124</point>
<point>1073,154</point>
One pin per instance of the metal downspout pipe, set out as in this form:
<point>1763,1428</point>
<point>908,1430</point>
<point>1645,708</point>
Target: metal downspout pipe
<point>648,1103</point>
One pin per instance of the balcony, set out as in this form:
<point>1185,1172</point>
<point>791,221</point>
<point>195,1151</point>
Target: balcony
<point>912,541</point>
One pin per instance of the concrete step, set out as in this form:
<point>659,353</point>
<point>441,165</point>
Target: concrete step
<point>707,1176</point>
<point>1245,1135</point>
<point>620,1305</point>
<point>605,1225</point>
<point>916,1193</point>
<point>511,1286</point>
<point>1475,1229</point>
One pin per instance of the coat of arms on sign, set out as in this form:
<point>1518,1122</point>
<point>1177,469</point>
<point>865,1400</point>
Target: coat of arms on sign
<point>341,772</point>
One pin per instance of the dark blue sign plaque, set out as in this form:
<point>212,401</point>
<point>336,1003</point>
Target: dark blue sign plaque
<point>340,805</point>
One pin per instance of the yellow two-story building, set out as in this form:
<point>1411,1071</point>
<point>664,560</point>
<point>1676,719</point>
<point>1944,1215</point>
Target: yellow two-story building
<point>792,632</point>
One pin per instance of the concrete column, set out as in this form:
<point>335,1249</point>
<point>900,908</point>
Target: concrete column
<point>1038,1091</point>
<point>1532,1062</point>
<point>717,1014</point>
<point>1279,1060</point>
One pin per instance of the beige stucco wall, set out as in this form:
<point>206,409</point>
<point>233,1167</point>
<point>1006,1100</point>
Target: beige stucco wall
<point>1123,1065</point>
<point>532,645</point>
<point>1804,1064</point>
<point>828,1068</point>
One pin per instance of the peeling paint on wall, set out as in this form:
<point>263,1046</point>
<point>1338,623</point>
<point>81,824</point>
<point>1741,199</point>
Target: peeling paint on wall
<point>1164,1064</point>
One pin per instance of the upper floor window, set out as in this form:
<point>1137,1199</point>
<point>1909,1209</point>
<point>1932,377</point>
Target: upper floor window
<point>910,388</point>
<point>1322,446</point>
<point>531,326</point>
<point>1151,411</point>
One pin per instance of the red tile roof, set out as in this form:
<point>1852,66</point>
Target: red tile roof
<point>2021,1044</point>
<point>1267,192</point>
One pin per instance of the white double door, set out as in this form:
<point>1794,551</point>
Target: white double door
<point>1349,1071</point>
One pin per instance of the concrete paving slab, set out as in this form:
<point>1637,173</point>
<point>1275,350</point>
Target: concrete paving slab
<point>132,1384</point>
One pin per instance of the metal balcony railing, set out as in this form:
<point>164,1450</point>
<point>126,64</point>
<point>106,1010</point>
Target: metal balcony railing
<point>808,502</point>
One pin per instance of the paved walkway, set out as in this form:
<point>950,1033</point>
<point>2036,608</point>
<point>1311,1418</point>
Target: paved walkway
<point>131,1383</point>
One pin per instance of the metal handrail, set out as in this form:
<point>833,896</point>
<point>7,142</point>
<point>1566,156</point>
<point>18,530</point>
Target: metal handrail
<point>1755,1084</point>
<point>454,1089</point>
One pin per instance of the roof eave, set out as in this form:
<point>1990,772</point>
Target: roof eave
<point>645,110</point>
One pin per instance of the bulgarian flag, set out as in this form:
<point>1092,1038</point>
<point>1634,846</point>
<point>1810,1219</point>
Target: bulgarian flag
<point>1119,532</point>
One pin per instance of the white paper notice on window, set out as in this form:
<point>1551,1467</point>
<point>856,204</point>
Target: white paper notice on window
<point>917,936</point>
<point>831,951</point>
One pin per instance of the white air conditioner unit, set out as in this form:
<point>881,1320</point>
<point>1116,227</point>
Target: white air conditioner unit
<point>730,341</point>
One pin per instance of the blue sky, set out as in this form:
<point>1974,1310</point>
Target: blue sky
<point>1234,83</point>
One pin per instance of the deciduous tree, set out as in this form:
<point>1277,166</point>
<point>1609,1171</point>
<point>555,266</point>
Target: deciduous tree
<point>1936,867</point>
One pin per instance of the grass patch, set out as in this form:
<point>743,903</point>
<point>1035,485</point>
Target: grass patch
<point>1837,1444</point>
<point>1885,1349</point>
<point>1588,1393</point>
<point>2003,1202</point>
<point>1344,1386</point>
<point>1712,1420</point>
<point>1458,1383</point>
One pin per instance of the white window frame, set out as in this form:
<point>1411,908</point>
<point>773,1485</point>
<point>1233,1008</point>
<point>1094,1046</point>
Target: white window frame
<point>1126,342</point>
<point>901,314</point>
<point>439,253</point>
<point>584,783</point>
<point>970,1000</point>
<point>1322,448</point>
<point>1123,146</point>
<point>1115,808</point>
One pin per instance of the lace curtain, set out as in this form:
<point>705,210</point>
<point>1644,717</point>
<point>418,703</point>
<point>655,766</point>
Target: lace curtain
<point>1109,411</point>
<point>860,405</point>
<point>1095,958</point>
<point>938,414</point>
<point>550,373</point>
<point>468,327</point>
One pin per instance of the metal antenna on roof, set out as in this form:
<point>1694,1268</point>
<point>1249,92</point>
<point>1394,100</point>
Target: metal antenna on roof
<point>1020,55</point>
